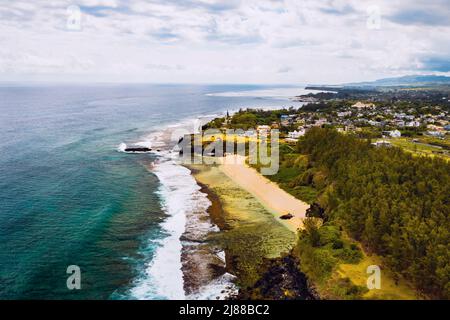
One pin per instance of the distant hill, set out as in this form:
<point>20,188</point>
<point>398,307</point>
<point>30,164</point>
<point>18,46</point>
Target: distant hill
<point>404,81</point>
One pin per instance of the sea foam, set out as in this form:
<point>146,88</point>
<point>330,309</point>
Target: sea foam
<point>186,207</point>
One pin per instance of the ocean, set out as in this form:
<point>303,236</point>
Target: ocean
<point>69,196</point>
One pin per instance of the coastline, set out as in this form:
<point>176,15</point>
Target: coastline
<point>249,233</point>
<point>227,238</point>
<point>257,246</point>
<point>187,262</point>
<point>270,195</point>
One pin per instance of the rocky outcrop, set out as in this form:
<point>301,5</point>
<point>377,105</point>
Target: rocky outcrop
<point>282,280</point>
<point>138,149</point>
<point>316,211</point>
<point>286,216</point>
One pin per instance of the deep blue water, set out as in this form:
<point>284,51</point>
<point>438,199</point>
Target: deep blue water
<point>68,197</point>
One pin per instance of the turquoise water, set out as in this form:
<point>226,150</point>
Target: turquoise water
<point>69,198</point>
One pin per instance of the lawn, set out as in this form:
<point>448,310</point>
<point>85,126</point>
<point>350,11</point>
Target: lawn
<point>420,148</point>
<point>357,273</point>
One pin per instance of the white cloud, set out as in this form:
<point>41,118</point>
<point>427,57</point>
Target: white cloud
<point>271,41</point>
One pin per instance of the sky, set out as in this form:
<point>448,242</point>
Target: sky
<point>213,41</point>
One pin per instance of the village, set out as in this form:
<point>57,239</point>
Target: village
<point>419,129</point>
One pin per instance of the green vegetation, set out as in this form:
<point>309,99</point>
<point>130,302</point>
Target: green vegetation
<point>444,143</point>
<point>380,206</point>
<point>320,250</point>
<point>391,288</point>
<point>395,204</point>
<point>419,148</point>
<point>292,167</point>
<point>251,118</point>
<point>216,123</point>
<point>250,233</point>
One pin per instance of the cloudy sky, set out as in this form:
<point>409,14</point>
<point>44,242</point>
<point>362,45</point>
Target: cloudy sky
<point>215,41</point>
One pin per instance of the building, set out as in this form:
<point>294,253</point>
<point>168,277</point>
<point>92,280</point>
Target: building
<point>381,143</point>
<point>361,105</point>
<point>374,123</point>
<point>296,134</point>
<point>349,127</point>
<point>263,129</point>
<point>249,133</point>
<point>300,121</point>
<point>287,120</point>
<point>290,140</point>
<point>320,122</point>
<point>344,114</point>
<point>433,127</point>
<point>438,134</point>
<point>399,123</point>
<point>395,134</point>
<point>413,124</point>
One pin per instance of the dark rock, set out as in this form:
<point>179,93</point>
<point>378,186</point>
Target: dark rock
<point>281,280</point>
<point>286,216</point>
<point>138,149</point>
<point>316,211</point>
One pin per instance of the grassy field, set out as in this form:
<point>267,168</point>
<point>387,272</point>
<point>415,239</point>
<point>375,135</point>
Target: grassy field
<point>337,266</point>
<point>390,289</point>
<point>445,142</point>
<point>420,148</point>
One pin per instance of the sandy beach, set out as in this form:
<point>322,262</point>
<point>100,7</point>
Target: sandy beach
<point>270,195</point>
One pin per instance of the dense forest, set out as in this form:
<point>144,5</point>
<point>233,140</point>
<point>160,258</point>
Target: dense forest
<point>395,204</point>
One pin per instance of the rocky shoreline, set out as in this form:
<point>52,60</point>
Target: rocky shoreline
<point>280,279</point>
<point>202,261</point>
<point>276,278</point>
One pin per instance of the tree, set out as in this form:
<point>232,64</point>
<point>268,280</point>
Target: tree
<point>312,231</point>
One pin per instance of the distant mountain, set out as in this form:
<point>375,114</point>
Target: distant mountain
<point>404,81</point>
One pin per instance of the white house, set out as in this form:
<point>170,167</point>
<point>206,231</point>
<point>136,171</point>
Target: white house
<point>438,134</point>
<point>374,123</point>
<point>382,143</point>
<point>399,123</point>
<point>361,105</point>
<point>414,123</point>
<point>296,134</point>
<point>344,114</point>
<point>395,134</point>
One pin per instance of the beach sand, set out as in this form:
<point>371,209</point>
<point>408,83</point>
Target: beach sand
<point>249,232</point>
<point>247,207</point>
<point>270,195</point>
